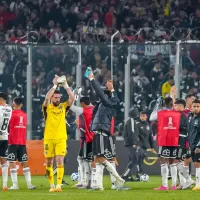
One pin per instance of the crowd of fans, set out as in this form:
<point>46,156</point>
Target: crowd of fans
<point>63,20</point>
<point>152,66</point>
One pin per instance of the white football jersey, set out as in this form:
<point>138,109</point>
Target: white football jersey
<point>5,115</point>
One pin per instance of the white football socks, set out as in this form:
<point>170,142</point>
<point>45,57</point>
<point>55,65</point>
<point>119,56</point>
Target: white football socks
<point>27,175</point>
<point>82,170</point>
<point>111,169</point>
<point>13,174</point>
<point>113,179</point>
<point>198,177</point>
<point>173,170</point>
<point>79,176</point>
<point>5,174</point>
<point>87,173</point>
<point>164,174</point>
<point>182,179</point>
<point>93,178</point>
<point>184,171</point>
<point>98,175</point>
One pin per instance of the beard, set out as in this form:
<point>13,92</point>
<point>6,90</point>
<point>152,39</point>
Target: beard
<point>56,103</point>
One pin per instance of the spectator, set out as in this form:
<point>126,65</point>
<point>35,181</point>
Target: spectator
<point>166,87</point>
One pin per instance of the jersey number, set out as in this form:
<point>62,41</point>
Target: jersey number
<point>5,124</point>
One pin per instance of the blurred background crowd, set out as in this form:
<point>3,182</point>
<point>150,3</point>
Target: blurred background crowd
<point>91,23</point>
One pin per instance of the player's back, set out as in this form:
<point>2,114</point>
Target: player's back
<point>55,125</point>
<point>5,115</point>
<point>18,123</point>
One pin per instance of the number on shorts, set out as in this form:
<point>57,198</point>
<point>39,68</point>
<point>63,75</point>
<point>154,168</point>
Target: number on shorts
<point>5,124</point>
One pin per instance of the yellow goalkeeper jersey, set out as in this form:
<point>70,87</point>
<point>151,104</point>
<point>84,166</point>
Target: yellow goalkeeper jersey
<point>55,124</point>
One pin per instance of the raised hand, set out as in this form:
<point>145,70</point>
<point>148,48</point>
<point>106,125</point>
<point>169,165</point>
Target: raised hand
<point>55,80</point>
<point>109,85</point>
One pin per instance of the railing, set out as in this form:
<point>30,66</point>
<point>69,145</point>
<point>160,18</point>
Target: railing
<point>86,34</point>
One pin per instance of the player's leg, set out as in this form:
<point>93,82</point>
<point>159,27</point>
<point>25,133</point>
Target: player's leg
<point>133,155</point>
<point>49,153</point>
<point>112,159</point>
<point>98,168</point>
<point>93,176</point>
<point>196,160</point>
<point>184,176</point>
<point>65,163</point>
<point>88,164</point>
<point>60,152</point>
<point>3,162</point>
<point>23,159</point>
<point>12,158</point>
<point>102,145</point>
<point>140,165</point>
<point>80,160</point>
<point>164,154</point>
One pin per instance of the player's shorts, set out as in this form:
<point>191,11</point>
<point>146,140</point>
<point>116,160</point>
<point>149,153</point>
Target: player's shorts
<point>167,152</point>
<point>56,147</point>
<point>86,151</point>
<point>17,153</point>
<point>101,145</point>
<point>195,156</point>
<point>181,154</point>
<point>188,155</point>
<point>111,148</point>
<point>3,148</point>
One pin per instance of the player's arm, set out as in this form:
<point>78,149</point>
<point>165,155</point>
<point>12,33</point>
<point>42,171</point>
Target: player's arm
<point>51,92</point>
<point>70,93</point>
<point>99,92</point>
<point>173,93</point>
<point>76,109</point>
<point>132,132</point>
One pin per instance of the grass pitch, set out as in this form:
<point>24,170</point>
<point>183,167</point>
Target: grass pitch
<point>138,191</point>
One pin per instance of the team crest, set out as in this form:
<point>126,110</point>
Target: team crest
<point>60,107</point>
<point>148,128</point>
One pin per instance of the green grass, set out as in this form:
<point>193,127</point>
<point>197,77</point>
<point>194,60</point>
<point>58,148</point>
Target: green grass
<point>138,191</point>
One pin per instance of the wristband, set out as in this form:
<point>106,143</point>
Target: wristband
<point>54,87</point>
<point>112,90</point>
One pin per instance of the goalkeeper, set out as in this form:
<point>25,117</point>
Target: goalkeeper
<point>55,135</point>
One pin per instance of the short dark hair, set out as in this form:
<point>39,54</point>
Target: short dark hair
<point>168,102</point>
<point>180,101</point>
<point>85,100</point>
<point>189,96</point>
<point>3,96</point>
<point>144,112</point>
<point>56,92</point>
<point>196,101</point>
<point>18,100</point>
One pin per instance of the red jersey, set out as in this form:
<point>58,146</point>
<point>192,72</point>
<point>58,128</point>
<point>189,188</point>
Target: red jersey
<point>168,127</point>
<point>18,123</point>
<point>84,124</point>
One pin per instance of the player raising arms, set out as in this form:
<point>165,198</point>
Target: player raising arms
<point>5,115</point>
<point>103,114</point>
<point>55,134</point>
<point>17,145</point>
